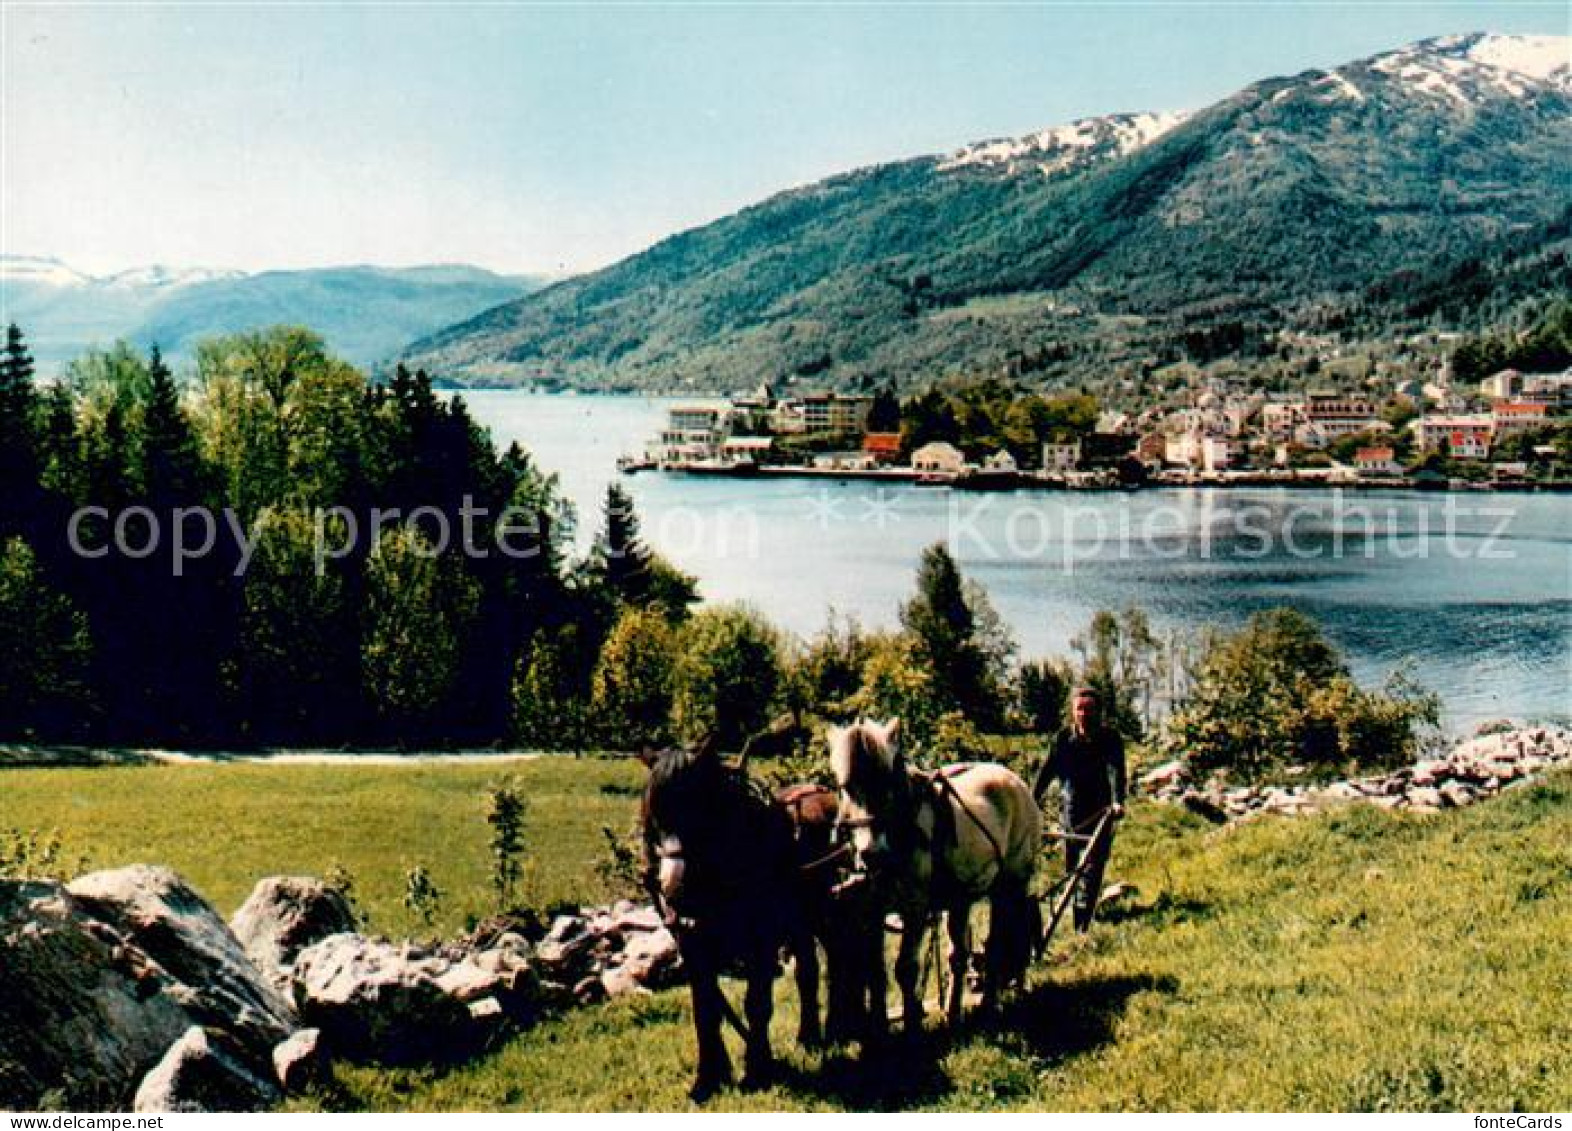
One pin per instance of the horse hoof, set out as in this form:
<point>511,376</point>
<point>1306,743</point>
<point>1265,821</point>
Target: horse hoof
<point>756,1081</point>
<point>704,1089</point>
<point>812,1039</point>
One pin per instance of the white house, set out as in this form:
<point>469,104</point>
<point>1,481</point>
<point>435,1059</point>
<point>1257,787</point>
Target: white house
<point>1198,452</point>
<point>1001,460</point>
<point>1513,417</point>
<point>1503,385</point>
<point>1061,457</point>
<point>1280,418</point>
<point>693,433</point>
<point>845,461</point>
<point>939,456</point>
<point>1377,461</point>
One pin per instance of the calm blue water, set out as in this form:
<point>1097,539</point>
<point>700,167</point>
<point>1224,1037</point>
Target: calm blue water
<point>1473,592</point>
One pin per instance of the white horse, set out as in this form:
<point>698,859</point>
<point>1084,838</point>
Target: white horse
<point>940,842</point>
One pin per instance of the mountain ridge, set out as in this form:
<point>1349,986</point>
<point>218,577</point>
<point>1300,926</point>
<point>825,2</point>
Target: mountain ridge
<point>1291,201</point>
<point>366,312</point>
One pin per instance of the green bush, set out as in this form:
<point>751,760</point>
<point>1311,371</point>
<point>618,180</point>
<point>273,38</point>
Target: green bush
<point>1042,688</point>
<point>550,691</point>
<point>1277,693</point>
<point>630,692</point>
<point>726,677</point>
<point>827,674</point>
<point>898,682</point>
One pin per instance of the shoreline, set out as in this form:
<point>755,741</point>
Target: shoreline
<point>1031,481</point>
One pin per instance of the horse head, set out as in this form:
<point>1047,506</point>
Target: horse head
<point>678,814</point>
<point>870,775</point>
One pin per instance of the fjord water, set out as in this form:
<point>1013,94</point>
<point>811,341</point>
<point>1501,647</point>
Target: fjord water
<point>1473,592</point>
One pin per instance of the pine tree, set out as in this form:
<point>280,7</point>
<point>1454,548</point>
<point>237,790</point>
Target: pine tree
<point>171,467</point>
<point>946,631</point>
<point>622,558</point>
<point>884,415</point>
<point>18,453</point>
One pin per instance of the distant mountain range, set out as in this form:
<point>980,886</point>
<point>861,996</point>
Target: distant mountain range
<point>1426,186</point>
<point>367,314</point>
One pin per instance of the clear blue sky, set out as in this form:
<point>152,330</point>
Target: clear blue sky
<point>559,138</point>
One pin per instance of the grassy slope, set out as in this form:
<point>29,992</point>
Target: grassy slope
<point>1356,961</point>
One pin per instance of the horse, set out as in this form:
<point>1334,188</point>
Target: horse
<point>941,841</point>
<point>841,916</point>
<point>720,863</point>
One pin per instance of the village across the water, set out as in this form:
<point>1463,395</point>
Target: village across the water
<point>1510,430</point>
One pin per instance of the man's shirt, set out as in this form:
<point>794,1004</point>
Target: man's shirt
<point>1090,770</point>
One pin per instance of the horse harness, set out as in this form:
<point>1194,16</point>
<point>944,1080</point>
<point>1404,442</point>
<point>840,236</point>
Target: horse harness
<point>793,801</point>
<point>939,786</point>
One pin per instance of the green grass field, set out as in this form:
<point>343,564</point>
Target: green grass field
<point>1358,960</point>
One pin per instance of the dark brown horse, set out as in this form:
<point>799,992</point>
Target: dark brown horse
<point>844,918</point>
<point>721,863</point>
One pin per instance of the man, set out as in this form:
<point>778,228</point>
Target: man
<point>1087,760</point>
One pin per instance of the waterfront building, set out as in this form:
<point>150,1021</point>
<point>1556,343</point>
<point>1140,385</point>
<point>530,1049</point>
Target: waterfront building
<point>1198,452</point>
<point>1377,461</point>
<point>939,457</point>
<point>693,433</point>
<point>835,412</point>
<point>1061,457</point>
<point>844,461</point>
<point>1513,417</point>
<point>1462,436</point>
<point>884,447</point>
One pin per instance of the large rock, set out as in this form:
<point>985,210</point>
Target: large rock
<point>176,928</point>
<point>1168,774</point>
<point>284,915</point>
<point>301,1061</point>
<point>98,980</point>
<point>204,1072</point>
<point>648,960</point>
<point>85,1015</point>
<point>1473,770</point>
<point>393,1003</point>
<point>568,951</point>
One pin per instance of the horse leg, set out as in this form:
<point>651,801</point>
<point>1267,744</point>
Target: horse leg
<point>758,1006</point>
<point>849,960</point>
<point>908,967</point>
<point>958,922</point>
<point>805,952</point>
<point>870,978</point>
<point>1012,931</point>
<point>714,1071</point>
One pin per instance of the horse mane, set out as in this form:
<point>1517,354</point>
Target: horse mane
<point>859,750</point>
<point>681,783</point>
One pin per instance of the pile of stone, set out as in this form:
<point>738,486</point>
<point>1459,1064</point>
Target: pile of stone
<point>608,952</point>
<point>1475,769</point>
<point>126,989</point>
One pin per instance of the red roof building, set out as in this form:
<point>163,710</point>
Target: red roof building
<point>883,446</point>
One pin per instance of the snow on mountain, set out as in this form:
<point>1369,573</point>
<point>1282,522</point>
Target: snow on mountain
<point>1538,56</point>
<point>1059,148</point>
<point>158,276</point>
<point>35,271</point>
<point>1463,68</point>
<point>29,270</point>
